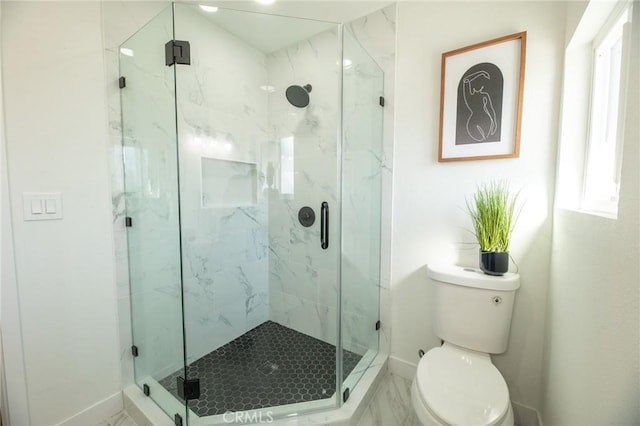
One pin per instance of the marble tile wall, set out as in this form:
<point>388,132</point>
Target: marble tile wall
<point>222,115</point>
<point>303,284</point>
<point>302,276</point>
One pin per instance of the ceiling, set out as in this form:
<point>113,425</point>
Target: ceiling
<point>322,10</point>
<point>271,27</point>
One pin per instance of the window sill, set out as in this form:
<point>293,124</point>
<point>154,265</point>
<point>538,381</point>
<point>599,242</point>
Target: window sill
<point>606,215</point>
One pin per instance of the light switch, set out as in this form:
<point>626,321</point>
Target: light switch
<point>36,206</point>
<point>42,205</point>
<point>50,206</point>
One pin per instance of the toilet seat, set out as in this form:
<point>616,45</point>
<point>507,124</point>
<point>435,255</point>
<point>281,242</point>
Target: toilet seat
<point>461,387</point>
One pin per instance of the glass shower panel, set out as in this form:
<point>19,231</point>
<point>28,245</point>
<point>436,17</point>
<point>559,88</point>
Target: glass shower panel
<point>152,206</point>
<point>260,292</point>
<point>362,155</point>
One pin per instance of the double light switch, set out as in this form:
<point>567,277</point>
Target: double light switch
<point>42,205</point>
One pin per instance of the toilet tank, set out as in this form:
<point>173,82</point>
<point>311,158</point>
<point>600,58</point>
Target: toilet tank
<point>472,309</point>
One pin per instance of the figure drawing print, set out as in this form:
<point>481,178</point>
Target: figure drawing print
<point>479,105</point>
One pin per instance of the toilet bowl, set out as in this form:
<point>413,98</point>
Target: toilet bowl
<point>457,386</point>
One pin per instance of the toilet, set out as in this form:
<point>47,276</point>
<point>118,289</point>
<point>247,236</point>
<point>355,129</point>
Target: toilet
<point>456,383</point>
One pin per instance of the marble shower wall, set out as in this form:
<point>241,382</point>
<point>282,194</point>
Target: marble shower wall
<point>303,281</point>
<point>302,276</point>
<point>222,125</point>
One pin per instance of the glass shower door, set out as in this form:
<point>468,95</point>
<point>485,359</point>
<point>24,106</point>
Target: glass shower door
<point>152,205</point>
<point>363,88</point>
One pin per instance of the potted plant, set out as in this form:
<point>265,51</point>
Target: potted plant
<point>492,210</point>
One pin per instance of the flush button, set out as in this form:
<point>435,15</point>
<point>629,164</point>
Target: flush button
<point>496,300</point>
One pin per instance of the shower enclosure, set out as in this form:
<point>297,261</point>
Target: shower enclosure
<point>252,150</point>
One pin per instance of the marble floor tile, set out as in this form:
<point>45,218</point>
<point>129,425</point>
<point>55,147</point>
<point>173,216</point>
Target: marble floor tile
<point>412,420</point>
<point>391,404</point>
<point>120,419</point>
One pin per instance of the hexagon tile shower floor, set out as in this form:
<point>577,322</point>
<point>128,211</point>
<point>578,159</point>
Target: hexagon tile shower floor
<point>268,366</point>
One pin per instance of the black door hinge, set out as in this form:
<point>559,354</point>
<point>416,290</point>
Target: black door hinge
<point>122,82</point>
<point>177,420</point>
<point>177,52</point>
<point>381,101</point>
<point>378,325</point>
<point>345,395</point>
<point>128,222</point>
<point>134,350</point>
<point>189,388</point>
<point>145,389</point>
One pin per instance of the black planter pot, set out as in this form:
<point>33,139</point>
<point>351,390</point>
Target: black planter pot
<point>494,263</point>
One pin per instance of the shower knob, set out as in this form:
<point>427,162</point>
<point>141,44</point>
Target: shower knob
<point>306,216</point>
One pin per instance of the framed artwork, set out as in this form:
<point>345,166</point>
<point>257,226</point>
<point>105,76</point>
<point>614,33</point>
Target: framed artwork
<point>481,100</point>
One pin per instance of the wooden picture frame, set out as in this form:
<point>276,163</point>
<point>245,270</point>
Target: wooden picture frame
<point>481,92</point>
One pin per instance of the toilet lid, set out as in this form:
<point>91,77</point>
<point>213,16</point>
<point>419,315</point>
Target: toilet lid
<point>462,387</point>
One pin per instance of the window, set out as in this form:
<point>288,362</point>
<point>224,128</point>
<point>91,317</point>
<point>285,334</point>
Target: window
<point>604,153</point>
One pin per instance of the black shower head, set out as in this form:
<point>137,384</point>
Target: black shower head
<point>298,96</point>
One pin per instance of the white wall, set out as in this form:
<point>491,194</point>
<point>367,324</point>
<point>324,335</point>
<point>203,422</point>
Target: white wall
<point>56,141</point>
<point>15,408</point>
<point>429,197</point>
<point>591,373</point>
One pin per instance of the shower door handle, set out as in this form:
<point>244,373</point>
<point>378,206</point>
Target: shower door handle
<point>324,225</point>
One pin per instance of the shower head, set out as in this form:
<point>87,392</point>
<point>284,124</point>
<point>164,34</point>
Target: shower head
<point>298,96</point>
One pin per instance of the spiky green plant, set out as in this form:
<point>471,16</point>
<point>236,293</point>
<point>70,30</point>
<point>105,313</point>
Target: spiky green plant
<point>492,211</point>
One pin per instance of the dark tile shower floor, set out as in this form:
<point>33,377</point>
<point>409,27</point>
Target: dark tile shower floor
<point>267,366</point>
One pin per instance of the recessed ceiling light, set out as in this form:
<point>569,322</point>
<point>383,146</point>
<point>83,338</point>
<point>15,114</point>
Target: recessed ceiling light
<point>265,1</point>
<point>126,51</point>
<point>210,9</point>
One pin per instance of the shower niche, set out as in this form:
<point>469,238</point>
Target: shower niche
<point>237,307</point>
<point>227,183</point>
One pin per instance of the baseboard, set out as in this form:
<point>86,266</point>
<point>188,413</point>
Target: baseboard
<point>402,368</point>
<point>96,413</point>
<point>525,416</point>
